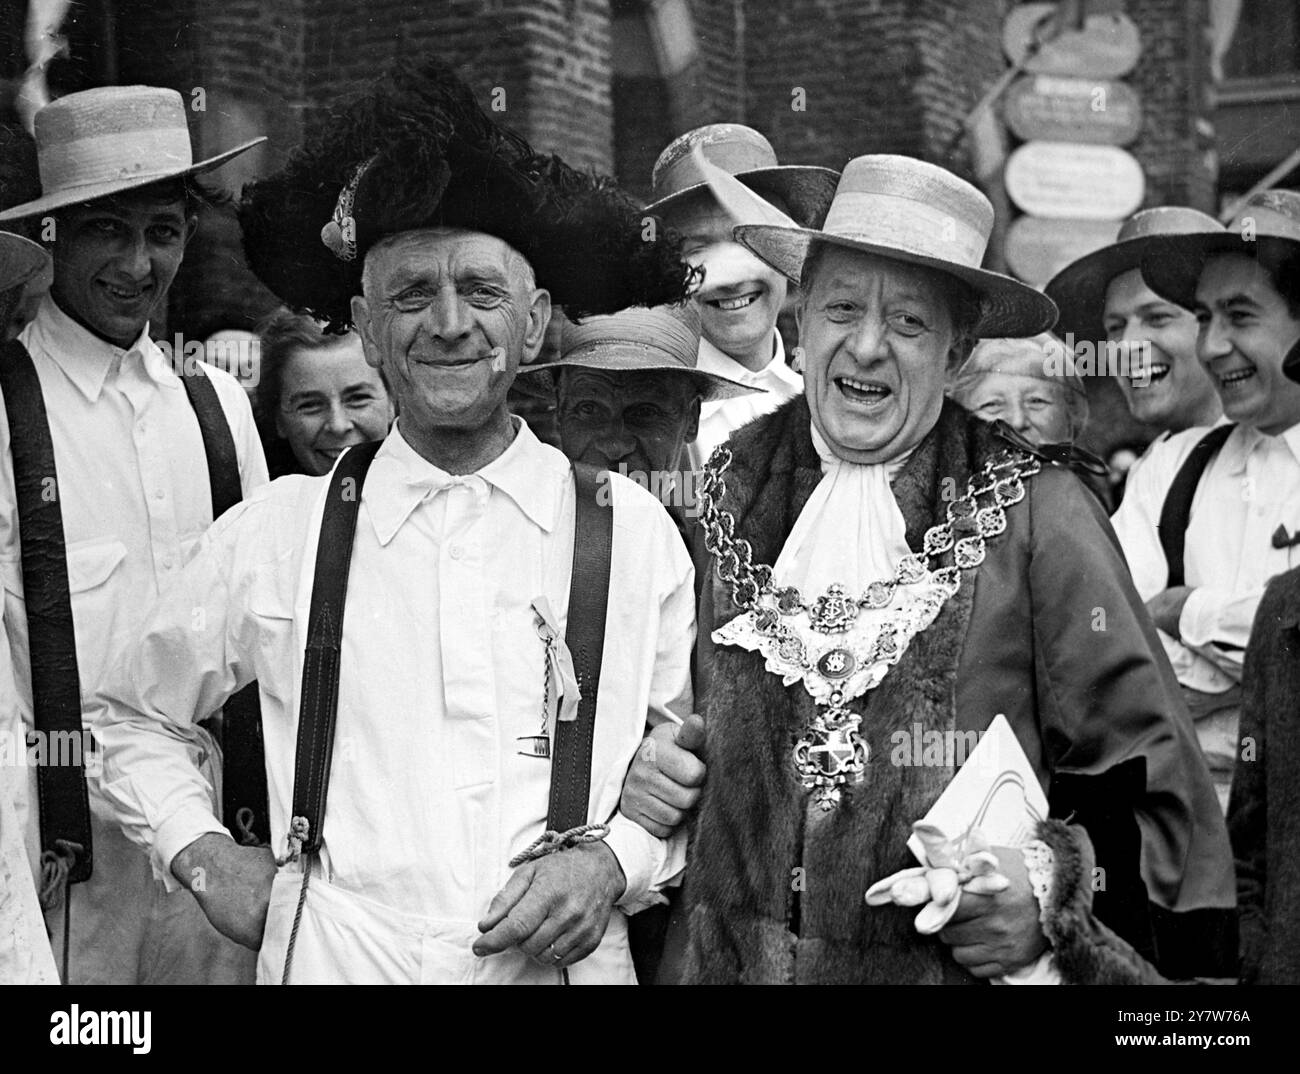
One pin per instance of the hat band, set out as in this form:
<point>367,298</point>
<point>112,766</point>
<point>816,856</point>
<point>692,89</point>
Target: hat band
<point>106,158</point>
<point>905,224</point>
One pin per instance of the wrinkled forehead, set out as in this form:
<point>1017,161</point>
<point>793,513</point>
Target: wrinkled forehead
<point>1014,385</point>
<point>627,387</point>
<point>440,250</point>
<point>857,271</point>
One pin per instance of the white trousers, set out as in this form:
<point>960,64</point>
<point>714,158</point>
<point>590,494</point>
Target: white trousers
<point>344,938</point>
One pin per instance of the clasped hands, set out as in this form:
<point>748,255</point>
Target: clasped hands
<point>555,909</point>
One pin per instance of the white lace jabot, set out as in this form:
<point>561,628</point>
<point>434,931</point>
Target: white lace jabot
<point>851,531</point>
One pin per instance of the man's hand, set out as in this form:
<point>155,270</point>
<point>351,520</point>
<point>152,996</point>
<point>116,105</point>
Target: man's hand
<point>231,883</point>
<point>664,781</point>
<point>993,935</point>
<point>555,909</point>
<point>1166,608</point>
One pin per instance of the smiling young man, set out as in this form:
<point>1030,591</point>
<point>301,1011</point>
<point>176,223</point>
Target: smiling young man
<point>454,661</point>
<point>129,464</point>
<point>740,297</point>
<point>1105,302</point>
<point>1241,520</point>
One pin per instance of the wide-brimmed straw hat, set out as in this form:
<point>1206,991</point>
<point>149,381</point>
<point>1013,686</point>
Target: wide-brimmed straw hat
<point>662,339</point>
<point>20,260</point>
<point>908,210</point>
<point>1268,224</point>
<point>1079,289</point>
<point>104,141</point>
<point>743,152</point>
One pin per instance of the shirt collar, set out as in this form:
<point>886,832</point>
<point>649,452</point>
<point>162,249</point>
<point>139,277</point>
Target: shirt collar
<point>1246,439</point>
<point>528,472</point>
<point>86,359</point>
<point>712,360</point>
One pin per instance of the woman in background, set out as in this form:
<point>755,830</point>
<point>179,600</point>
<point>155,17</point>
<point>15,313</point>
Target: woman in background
<point>317,396</point>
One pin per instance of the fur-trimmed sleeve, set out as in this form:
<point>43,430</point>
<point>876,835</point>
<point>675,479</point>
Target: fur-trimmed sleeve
<point>1084,950</point>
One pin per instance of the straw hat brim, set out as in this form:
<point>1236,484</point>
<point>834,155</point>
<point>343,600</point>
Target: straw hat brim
<point>1010,308</point>
<point>1172,264</point>
<point>712,387</point>
<point>807,190</point>
<point>20,260</point>
<point>78,195</point>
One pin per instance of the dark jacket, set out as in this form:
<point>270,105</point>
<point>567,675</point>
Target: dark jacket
<point>1264,810</point>
<point>1049,631</point>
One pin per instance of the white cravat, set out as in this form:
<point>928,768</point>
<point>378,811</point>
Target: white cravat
<point>851,530</point>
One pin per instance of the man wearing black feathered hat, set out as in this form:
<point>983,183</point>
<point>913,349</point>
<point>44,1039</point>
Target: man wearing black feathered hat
<point>466,838</point>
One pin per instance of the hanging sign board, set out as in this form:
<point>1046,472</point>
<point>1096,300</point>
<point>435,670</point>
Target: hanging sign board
<point>1108,46</point>
<point>1055,109</point>
<point>1065,180</point>
<point>1037,248</point>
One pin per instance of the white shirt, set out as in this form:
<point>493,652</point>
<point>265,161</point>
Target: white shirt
<point>718,420</point>
<point>442,670</point>
<point>132,485</point>
<point>1248,489</point>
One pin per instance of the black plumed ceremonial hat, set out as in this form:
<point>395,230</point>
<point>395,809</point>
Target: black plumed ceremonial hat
<point>418,151</point>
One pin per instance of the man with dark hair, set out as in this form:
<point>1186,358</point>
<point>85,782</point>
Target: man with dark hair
<point>103,501</point>
<point>471,832</point>
<point>1202,568</point>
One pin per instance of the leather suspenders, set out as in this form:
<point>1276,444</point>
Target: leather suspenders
<point>1177,509</point>
<point>56,685</point>
<point>320,670</point>
<point>584,635</point>
<point>243,769</point>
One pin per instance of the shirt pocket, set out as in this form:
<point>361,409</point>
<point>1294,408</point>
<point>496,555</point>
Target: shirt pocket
<point>102,613</point>
<point>272,614</point>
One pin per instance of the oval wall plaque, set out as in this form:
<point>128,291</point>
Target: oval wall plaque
<point>1108,46</point>
<point>1056,109</point>
<point>1037,248</point>
<point>1068,180</point>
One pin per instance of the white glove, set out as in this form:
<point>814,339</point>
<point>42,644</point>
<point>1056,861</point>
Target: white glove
<point>951,868</point>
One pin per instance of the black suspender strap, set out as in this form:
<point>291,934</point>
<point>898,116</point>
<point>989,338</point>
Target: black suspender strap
<point>584,634</point>
<point>243,774</point>
<point>52,643</point>
<point>1177,509</point>
<point>318,709</point>
<point>585,637</point>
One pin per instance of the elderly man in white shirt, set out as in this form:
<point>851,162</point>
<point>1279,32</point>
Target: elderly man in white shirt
<point>741,297</point>
<point>131,485</point>
<point>460,567</point>
<point>1245,509</point>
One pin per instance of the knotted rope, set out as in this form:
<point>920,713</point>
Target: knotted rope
<point>56,888</point>
<point>552,842</point>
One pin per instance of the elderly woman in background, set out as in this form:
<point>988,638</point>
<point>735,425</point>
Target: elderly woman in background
<point>886,569</point>
<point>317,396</point>
<point>1031,384</point>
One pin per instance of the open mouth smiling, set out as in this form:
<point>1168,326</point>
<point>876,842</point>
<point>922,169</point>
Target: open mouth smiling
<point>863,391</point>
<point>1235,379</point>
<point>738,302</point>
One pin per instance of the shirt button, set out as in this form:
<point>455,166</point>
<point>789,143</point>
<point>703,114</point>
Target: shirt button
<point>454,551</point>
<point>167,563</point>
<point>159,494</point>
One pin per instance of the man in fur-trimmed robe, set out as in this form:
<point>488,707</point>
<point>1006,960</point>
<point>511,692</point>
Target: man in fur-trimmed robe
<point>1130,880</point>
